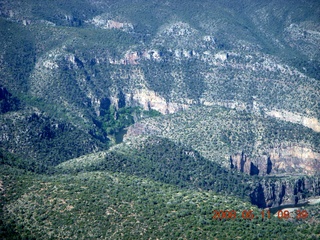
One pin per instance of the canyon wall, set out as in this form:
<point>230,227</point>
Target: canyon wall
<point>275,192</point>
<point>287,160</point>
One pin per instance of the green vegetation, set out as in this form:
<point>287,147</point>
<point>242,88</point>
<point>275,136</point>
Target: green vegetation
<point>68,79</point>
<point>218,131</point>
<point>50,141</point>
<point>7,101</point>
<point>64,65</point>
<point>113,121</point>
<point>164,161</point>
<point>18,56</point>
<point>108,205</point>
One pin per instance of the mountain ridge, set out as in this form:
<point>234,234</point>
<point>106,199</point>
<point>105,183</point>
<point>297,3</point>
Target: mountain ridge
<point>209,100</point>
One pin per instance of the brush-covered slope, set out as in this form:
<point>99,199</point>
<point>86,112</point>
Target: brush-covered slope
<point>73,61</point>
<point>253,143</point>
<point>110,205</point>
<point>163,160</point>
<point>237,81</point>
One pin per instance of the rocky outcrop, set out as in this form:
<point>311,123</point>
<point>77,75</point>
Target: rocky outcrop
<point>276,192</point>
<point>105,23</point>
<point>294,160</point>
<point>310,122</point>
<point>151,100</point>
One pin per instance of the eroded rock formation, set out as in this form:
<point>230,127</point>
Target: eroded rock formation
<point>276,192</point>
<point>294,160</point>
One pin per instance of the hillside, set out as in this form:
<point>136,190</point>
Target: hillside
<point>175,163</point>
<point>162,56</point>
<point>137,119</point>
<point>228,136</point>
<point>108,205</point>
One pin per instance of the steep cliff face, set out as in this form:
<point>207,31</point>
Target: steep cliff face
<point>282,160</point>
<point>178,66</point>
<point>279,152</point>
<point>149,99</point>
<point>276,192</point>
<point>310,122</point>
<point>72,61</point>
<point>256,145</point>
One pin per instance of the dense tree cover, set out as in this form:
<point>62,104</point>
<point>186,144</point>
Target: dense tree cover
<point>108,205</point>
<point>60,66</point>
<point>64,67</point>
<point>18,56</point>
<point>51,141</point>
<point>7,101</point>
<point>219,131</point>
<point>114,120</point>
<point>43,141</point>
<point>61,13</point>
<point>10,159</point>
<point>167,162</point>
